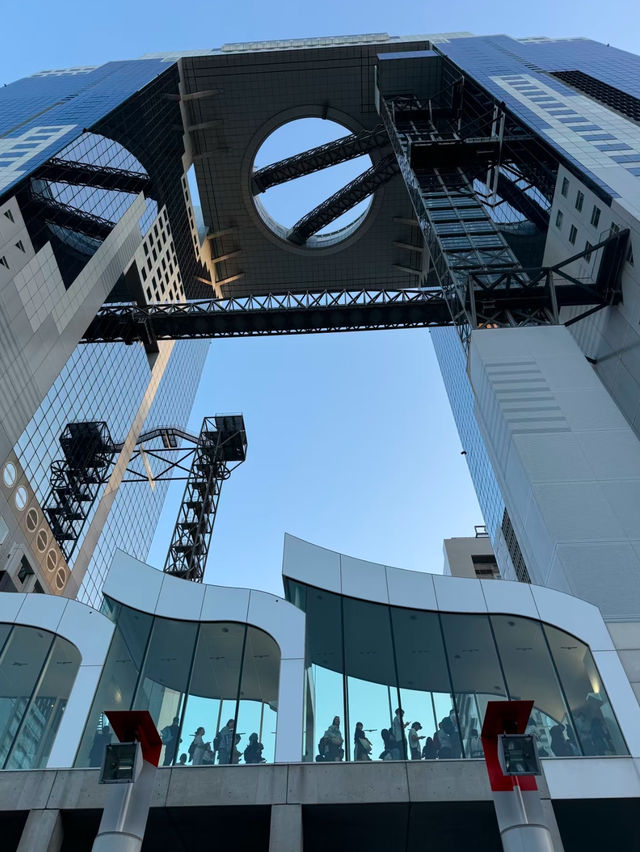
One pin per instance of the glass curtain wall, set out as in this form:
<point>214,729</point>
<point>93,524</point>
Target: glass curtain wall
<point>211,689</point>
<point>389,683</point>
<point>37,671</point>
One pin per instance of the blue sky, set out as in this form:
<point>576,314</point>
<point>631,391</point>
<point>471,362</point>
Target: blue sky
<point>351,441</point>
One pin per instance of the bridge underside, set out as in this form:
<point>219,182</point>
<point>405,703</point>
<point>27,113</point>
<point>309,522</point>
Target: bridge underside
<point>507,301</point>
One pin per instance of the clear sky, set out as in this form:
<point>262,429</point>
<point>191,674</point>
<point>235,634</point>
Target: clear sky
<point>351,441</point>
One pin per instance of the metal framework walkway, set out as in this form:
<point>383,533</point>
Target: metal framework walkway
<point>512,297</point>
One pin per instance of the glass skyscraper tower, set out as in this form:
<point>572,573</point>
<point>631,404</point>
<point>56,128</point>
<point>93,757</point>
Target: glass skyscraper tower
<point>94,207</point>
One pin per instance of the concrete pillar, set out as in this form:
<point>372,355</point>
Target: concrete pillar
<point>42,832</point>
<point>523,822</point>
<point>286,828</point>
<point>125,813</point>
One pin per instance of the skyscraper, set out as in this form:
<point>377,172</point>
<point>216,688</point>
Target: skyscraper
<point>83,221</point>
<point>503,186</point>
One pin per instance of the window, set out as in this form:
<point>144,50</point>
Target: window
<point>579,200</point>
<point>559,219</point>
<point>587,249</point>
<point>9,215</point>
<point>38,670</point>
<point>485,565</point>
<point>594,721</point>
<point>630,255</point>
<point>595,216</point>
<point>573,233</point>
<point>25,569</point>
<point>565,187</point>
<point>4,262</point>
<point>20,245</point>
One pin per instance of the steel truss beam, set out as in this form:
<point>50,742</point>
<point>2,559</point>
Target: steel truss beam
<point>346,198</point>
<point>89,454</point>
<point>72,218</point>
<point>501,299</point>
<point>321,157</point>
<point>523,203</point>
<point>86,174</point>
<point>221,447</point>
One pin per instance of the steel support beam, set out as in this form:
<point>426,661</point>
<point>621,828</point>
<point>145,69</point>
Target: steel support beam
<point>321,157</point>
<point>509,297</point>
<point>71,217</point>
<point>343,200</point>
<point>85,174</point>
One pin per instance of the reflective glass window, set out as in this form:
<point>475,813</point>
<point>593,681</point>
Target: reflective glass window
<point>40,725</point>
<point>565,187</point>
<point>530,674</point>
<point>559,219</point>
<point>5,629</point>
<point>596,727</point>
<point>373,698</point>
<point>163,683</point>
<point>423,680</point>
<point>118,681</point>
<point>595,216</point>
<point>258,698</point>
<point>21,665</point>
<point>573,233</point>
<point>579,200</point>
<point>475,673</point>
<point>213,694</point>
<point>325,687</point>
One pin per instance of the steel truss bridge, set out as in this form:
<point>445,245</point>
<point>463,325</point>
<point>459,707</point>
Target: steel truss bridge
<point>512,297</point>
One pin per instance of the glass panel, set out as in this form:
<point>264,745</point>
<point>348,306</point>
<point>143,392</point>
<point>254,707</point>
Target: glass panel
<point>5,629</point>
<point>34,742</point>
<point>325,698</point>
<point>20,667</point>
<point>268,733</point>
<point>372,689</point>
<point>595,723</point>
<point>117,682</point>
<point>423,678</point>
<point>213,693</point>
<point>163,684</point>
<point>258,689</point>
<point>476,676</point>
<point>530,674</point>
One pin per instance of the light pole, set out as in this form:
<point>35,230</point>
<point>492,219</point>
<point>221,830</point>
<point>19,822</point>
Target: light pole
<point>130,766</point>
<point>512,764</point>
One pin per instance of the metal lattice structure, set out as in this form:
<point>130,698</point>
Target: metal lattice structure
<point>78,173</point>
<point>344,199</point>
<point>511,296</point>
<point>204,461</point>
<point>76,480</point>
<point>221,447</point>
<point>320,157</point>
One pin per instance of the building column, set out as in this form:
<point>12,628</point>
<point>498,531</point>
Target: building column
<point>566,460</point>
<point>522,821</point>
<point>286,828</point>
<point>42,832</point>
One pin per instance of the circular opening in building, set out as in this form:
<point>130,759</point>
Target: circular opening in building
<point>52,560</point>
<point>32,520</point>
<point>21,497</point>
<point>42,541</point>
<point>9,474</point>
<point>61,578</point>
<point>287,199</point>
